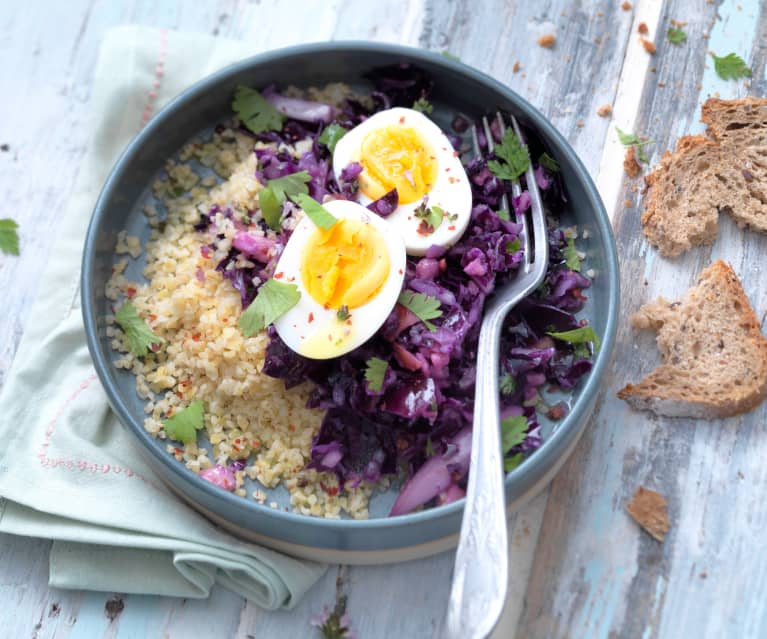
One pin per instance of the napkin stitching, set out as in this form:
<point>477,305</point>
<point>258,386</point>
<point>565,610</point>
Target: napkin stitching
<point>82,464</point>
<point>159,72</point>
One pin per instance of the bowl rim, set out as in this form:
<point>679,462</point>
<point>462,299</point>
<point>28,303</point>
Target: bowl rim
<point>527,472</point>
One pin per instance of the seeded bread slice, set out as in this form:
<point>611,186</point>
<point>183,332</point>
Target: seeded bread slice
<point>706,175</point>
<point>714,353</point>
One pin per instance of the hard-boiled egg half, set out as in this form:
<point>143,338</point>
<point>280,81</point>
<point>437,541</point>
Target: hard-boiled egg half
<point>349,277</point>
<point>403,149</point>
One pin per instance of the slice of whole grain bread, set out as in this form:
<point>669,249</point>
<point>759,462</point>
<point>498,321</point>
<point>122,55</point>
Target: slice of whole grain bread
<point>714,353</point>
<point>726,171</point>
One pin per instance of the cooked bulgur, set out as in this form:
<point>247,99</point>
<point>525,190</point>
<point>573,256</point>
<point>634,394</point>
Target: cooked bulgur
<point>248,416</point>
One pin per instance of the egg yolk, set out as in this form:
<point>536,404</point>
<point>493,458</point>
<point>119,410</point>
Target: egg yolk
<point>345,265</point>
<point>397,157</point>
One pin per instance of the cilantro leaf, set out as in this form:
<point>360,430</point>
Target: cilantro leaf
<point>315,211</point>
<point>422,105</point>
<point>273,196</point>
<point>429,447</point>
<point>184,424</point>
<point>9,238</point>
<point>513,432</point>
<point>255,112</point>
<point>507,385</point>
<point>141,338</point>
<point>572,258</point>
<point>330,135</point>
<point>631,139</point>
<point>516,159</point>
<point>422,306</point>
<point>548,162</point>
<point>431,217</point>
<point>343,313</point>
<point>514,246</point>
<point>271,209</point>
<point>512,462</point>
<point>503,214</point>
<point>641,154</point>
<point>375,373</point>
<point>730,67</point>
<point>274,299</point>
<point>579,336</point>
<point>676,36</point>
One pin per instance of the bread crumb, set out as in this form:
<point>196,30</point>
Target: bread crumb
<point>642,28</point>
<point>547,40</point>
<point>579,124</point>
<point>678,23</point>
<point>597,41</point>
<point>567,58</point>
<point>661,84</point>
<point>626,6</point>
<point>648,508</point>
<point>653,69</point>
<point>600,14</point>
<point>648,45</point>
<point>627,203</point>
<point>630,164</point>
<point>703,574</point>
<point>698,86</point>
<point>516,67</point>
<point>604,110</point>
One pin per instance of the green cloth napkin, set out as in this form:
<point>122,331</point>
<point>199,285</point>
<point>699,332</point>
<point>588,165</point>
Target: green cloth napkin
<point>68,470</point>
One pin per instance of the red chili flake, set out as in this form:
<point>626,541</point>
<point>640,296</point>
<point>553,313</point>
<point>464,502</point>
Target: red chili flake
<point>583,322</point>
<point>456,154</point>
<point>291,279</point>
<point>225,320</point>
<point>196,337</point>
<point>178,451</point>
<point>330,490</point>
<point>311,317</point>
<point>447,170</point>
<point>578,295</point>
<point>399,271</point>
<point>278,276</point>
<point>349,322</point>
<point>442,265</point>
<point>451,227</point>
<point>291,428</point>
<point>402,120</point>
<point>556,412</point>
<point>255,443</point>
<point>130,292</point>
<point>179,394</point>
<point>205,251</point>
<point>451,179</point>
<point>152,317</point>
<point>301,337</point>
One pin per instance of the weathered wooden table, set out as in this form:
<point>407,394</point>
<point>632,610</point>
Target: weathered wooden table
<point>580,567</point>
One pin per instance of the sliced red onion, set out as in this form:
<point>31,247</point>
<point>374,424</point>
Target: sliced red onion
<point>386,204</point>
<point>436,475</point>
<point>304,110</point>
<point>427,268</point>
<point>453,493</point>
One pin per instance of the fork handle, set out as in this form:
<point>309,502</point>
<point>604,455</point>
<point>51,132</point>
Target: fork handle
<point>481,563</point>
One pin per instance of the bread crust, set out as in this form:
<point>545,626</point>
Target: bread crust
<point>728,376</point>
<point>706,174</point>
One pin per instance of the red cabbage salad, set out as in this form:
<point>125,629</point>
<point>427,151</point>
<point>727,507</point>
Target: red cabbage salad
<point>401,403</point>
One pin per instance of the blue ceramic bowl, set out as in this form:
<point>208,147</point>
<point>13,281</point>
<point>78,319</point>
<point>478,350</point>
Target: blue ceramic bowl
<point>456,88</point>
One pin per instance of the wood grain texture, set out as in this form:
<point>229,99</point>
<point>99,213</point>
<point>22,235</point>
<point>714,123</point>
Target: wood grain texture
<point>594,574</point>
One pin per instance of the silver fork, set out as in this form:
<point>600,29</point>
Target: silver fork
<point>481,562</point>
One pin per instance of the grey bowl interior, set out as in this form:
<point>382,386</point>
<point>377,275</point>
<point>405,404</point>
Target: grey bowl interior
<point>457,88</point>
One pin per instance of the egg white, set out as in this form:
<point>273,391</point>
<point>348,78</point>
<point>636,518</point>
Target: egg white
<point>451,192</point>
<point>316,332</point>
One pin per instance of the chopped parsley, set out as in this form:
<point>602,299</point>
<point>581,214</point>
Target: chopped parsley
<point>330,136</point>
<point>507,385</point>
<point>631,139</point>
<point>422,306</point>
<point>572,259</point>
<point>429,447</point>
<point>141,339</point>
<point>184,424</point>
<point>343,313</point>
<point>375,373</point>
<point>9,238</point>
<point>514,156</point>
<point>548,162</point>
<point>431,217</point>
<point>676,35</point>
<point>731,67</point>
<point>274,299</point>
<point>580,335</point>
<point>513,246</point>
<point>273,196</point>
<point>315,211</point>
<point>512,462</point>
<point>422,105</point>
<point>255,112</point>
<point>503,214</point>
